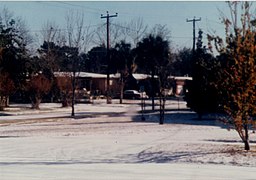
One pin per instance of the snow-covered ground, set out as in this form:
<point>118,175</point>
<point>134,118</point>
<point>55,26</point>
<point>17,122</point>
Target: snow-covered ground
<point>109,141</point>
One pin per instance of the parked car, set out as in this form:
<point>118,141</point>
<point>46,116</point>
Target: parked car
<point>133,94</point>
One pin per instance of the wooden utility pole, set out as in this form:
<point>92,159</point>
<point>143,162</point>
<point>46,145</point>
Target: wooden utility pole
<point>108,57</point>
<point>194,31</point>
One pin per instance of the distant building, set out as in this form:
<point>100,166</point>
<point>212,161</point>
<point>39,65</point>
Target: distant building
<point>96,84</point>
<point>179,83</point>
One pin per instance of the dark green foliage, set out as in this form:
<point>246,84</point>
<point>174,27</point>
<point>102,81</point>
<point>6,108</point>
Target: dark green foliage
<point>12,53</point>
<point>121,61</point>
<point>59,58</point>
<point>12,61</point>
<point>152,52</point>
<point>181,64</point>
<point>121,57</point>
<point>201,95</point>
<point>51,54</point>
<point>153,57</point>
<point>96,61</point>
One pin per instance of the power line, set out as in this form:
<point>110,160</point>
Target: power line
<point>47,3</point>
<point>65,29</point>
<point>117,25</point>
<point>177,37</point>
<point>95,10</point>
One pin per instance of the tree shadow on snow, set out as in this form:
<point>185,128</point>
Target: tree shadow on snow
<point>4,114</point>
<point>179,116</point>
<point>165,157</point>
<point>229,141</point>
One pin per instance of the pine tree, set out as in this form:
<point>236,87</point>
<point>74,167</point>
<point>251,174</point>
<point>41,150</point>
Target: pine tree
<point>201,96</point>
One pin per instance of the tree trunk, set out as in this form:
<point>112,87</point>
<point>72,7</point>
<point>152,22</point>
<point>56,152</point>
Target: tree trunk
<point>73,92</point>
<point>153,103</point>
<point>7,101</point>
<point>122,90</point>
<point>73,102</point>
<point>161,120</point>
<point>35,102</point>
<point>152,91</point>
<point>65,100</point>
<point>246,140</point>
<point>65,103</point>
<point>247,145</point>
<point>2,103</point>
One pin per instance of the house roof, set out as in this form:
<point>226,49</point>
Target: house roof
<point>97,75</point>
<point>117,75</point>
<point>180,77</point>
<point>81,74</point>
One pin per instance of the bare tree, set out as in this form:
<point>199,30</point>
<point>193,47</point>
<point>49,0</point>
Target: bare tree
<point>50,32</point>
<point>136,30</point>
<point>116,34</point>
<point>78,34</point>
<point>131,32</point>
<point>100,35</point>
<point>162,31</point>
<point>75,25</point>
<point>87,37</point>
<point>75,37</point>
<point>23,31</point>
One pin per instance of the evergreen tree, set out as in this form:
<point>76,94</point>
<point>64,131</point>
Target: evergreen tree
<point>12,61</point>
<point>121,61</point>
<point>181,64</point>
<point>201,94</point>
<point>152,53</point>
<point>96,60</point>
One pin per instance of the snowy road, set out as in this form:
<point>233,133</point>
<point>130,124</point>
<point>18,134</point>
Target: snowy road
<point>126,172</point>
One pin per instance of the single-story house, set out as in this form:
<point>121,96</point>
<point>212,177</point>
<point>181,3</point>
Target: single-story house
<point>179,82</point>
<point>96,84</point>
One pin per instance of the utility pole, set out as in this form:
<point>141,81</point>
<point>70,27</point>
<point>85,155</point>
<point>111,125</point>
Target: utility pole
<point>108,57</point>
<point>194,31</point>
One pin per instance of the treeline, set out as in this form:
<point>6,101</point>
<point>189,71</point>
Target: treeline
<point>29,75</point>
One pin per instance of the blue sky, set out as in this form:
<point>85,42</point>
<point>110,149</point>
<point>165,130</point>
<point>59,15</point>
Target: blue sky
<point>173,14</point>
